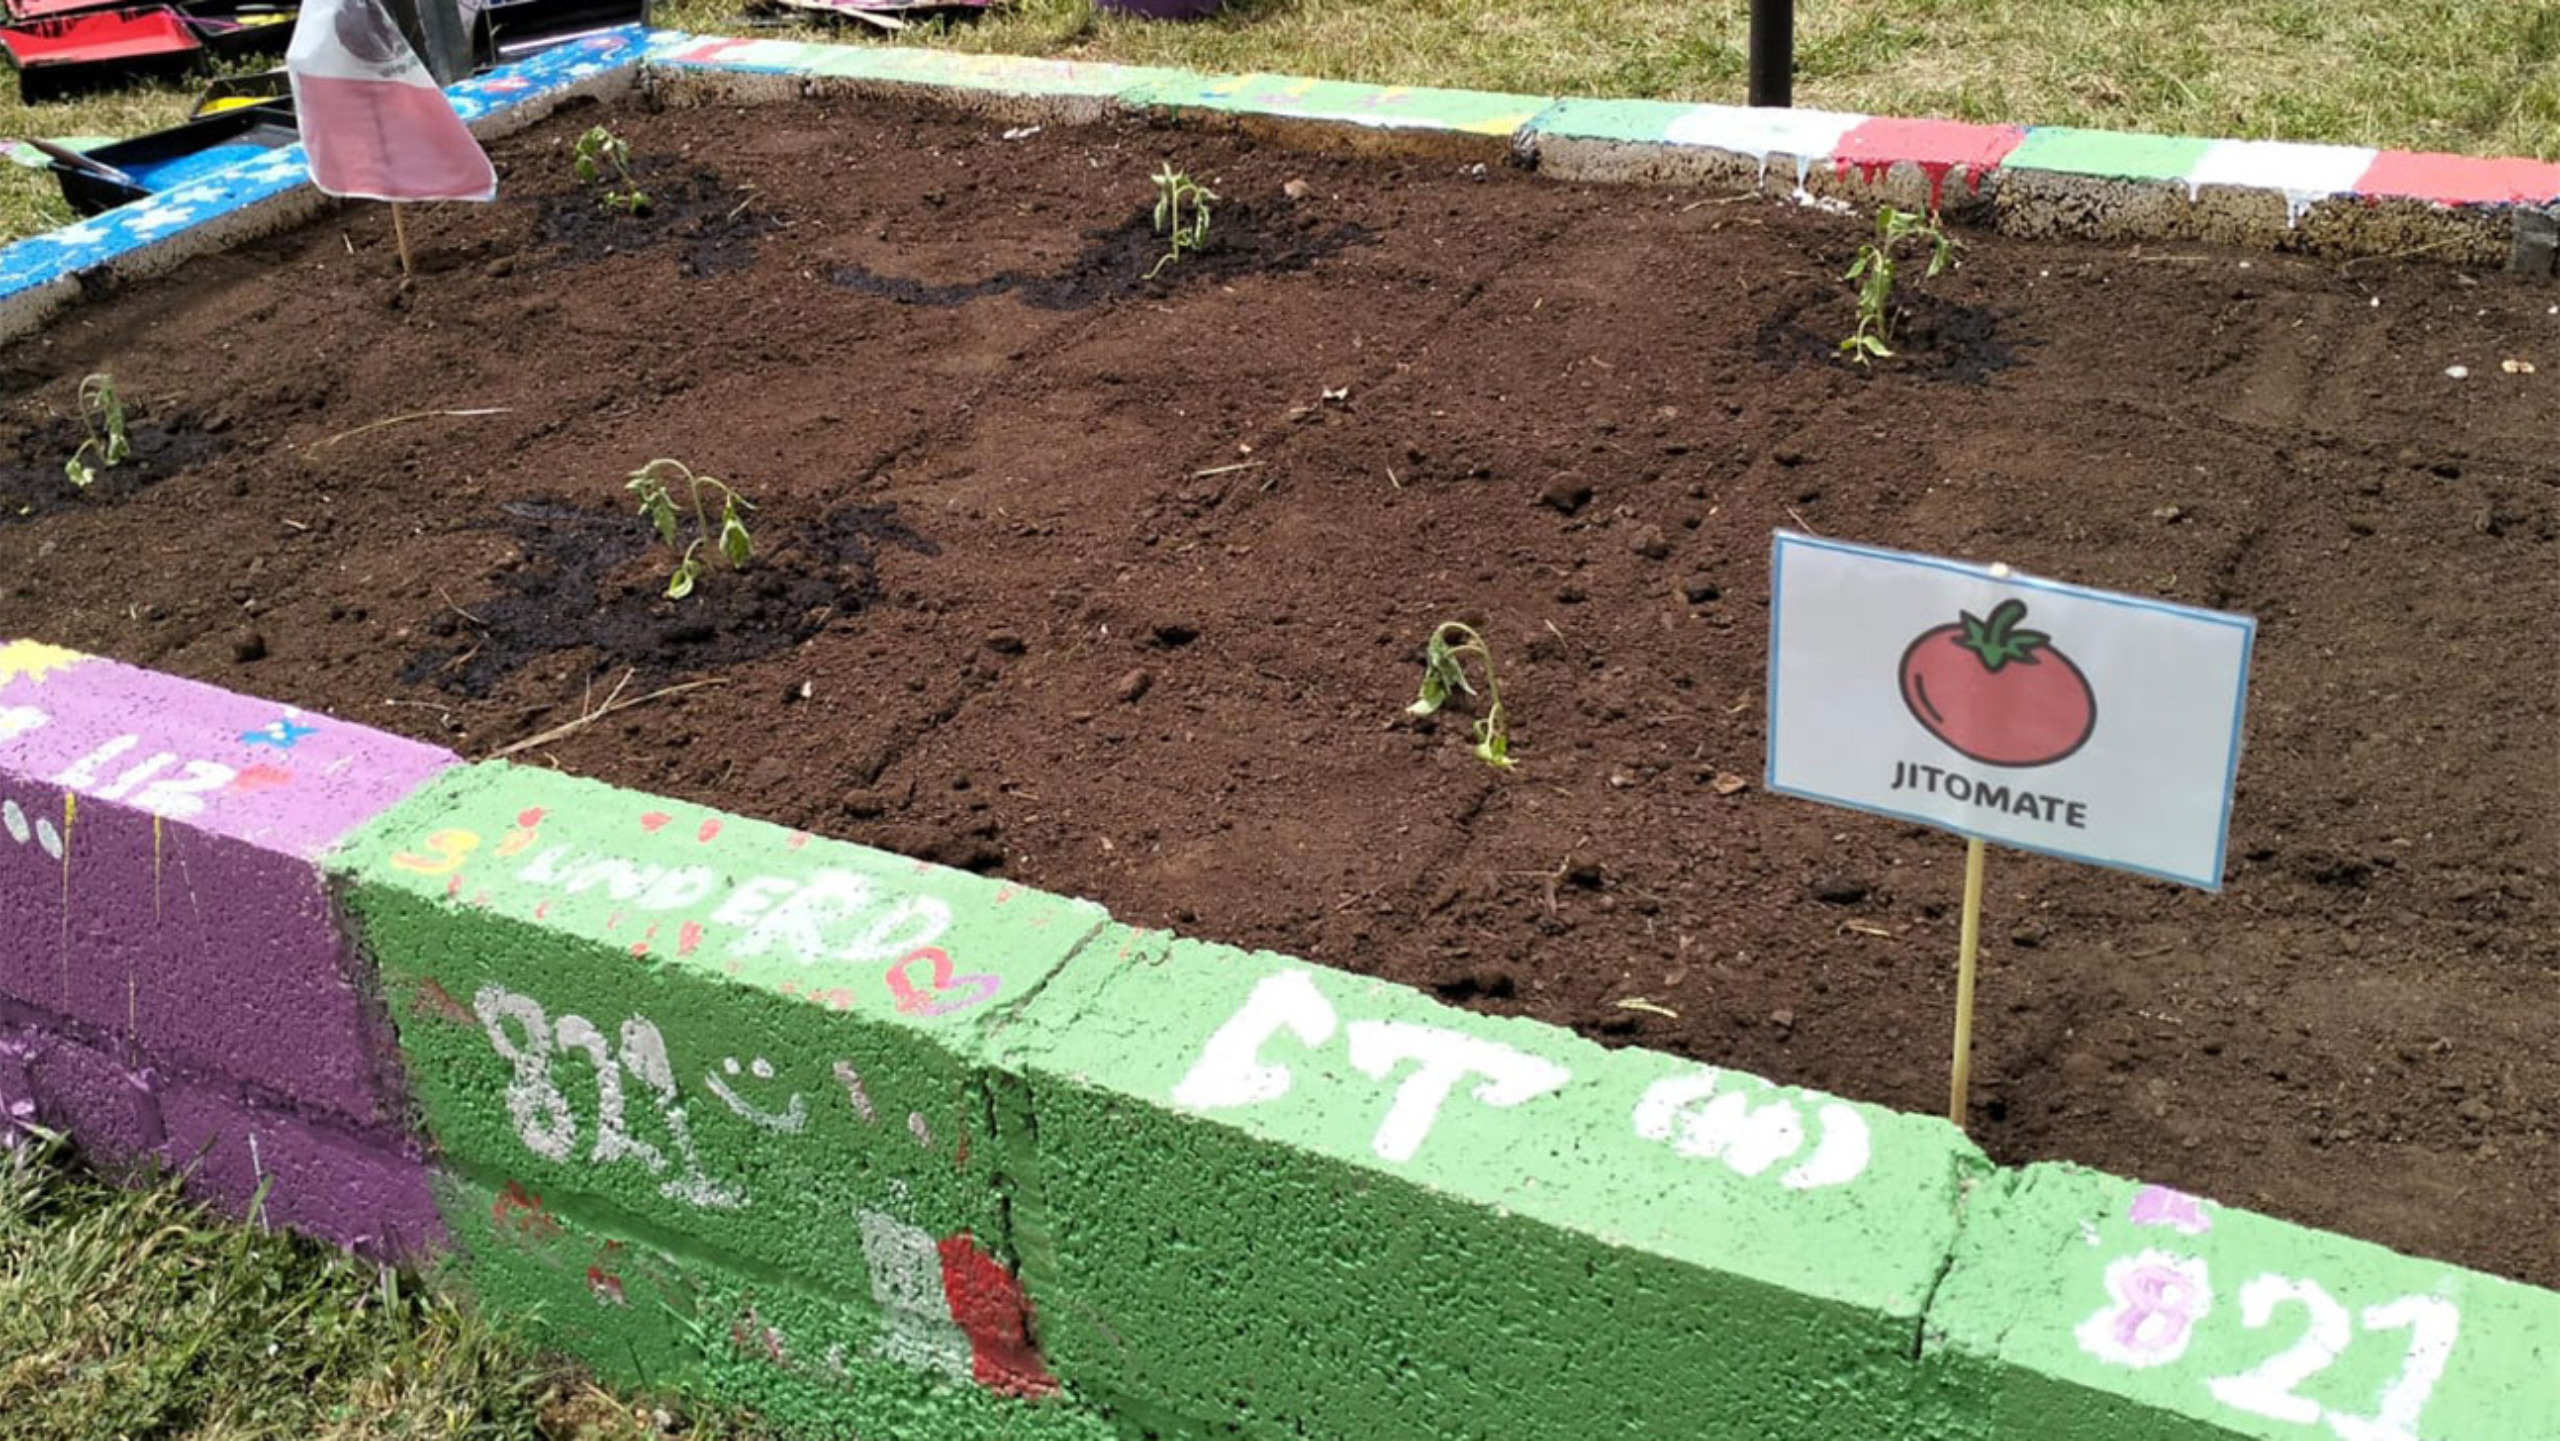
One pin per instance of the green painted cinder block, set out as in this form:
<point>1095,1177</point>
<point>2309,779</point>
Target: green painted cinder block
<point>1645,122</point>
<point>625,1306</point>
<point>2086,1306</point>
<point>1393,107</point>
<point>750,1040</point>
<point>2112,154</point>
<point>643,1315</point>
<point>1310,1204</point>
<point>1005,74</point>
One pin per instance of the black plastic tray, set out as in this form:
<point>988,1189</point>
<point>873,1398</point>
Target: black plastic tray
<point>147,158</point>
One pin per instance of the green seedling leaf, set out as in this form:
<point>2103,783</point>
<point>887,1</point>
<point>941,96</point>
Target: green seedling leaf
<point>1444,674</point>
<point>1435,693</point>
<point>658,502</point>
<point>103,431</point>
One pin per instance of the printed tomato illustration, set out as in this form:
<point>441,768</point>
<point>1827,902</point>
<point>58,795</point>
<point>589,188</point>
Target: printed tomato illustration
<point>1996,693</point>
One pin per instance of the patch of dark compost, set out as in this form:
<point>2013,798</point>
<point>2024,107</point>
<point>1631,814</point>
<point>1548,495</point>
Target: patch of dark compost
<point>589,580</point>
<point>1933,338</point>
<point>33,481</point>
<point>1272,238</point>
<point>714,225</point>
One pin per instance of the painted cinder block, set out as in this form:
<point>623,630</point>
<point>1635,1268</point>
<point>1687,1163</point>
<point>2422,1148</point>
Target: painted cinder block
<point>762,1044</point>
<point>643,1313</point>
<point>1284,1201</point>
<point>65,1087</point>
<point>158,891</point>
<point>1339,115</point>
<point>1666,143</point>
<point>2086,1306</point>
<point>1936,165</point>
<point>1022,89</point>
<point>367,1193</point>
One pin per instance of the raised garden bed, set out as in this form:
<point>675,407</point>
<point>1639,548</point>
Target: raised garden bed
<point>1119,588</point>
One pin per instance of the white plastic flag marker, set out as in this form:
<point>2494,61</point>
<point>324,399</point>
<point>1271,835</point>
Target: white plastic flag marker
<point>375,126</point>
<point>2080,723</point>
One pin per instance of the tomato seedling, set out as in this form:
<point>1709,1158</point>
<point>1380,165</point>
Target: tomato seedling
<point>1998,693</point>
<point>1444,673</point>
<point>658,503</point>
<point>1874,270</point>
<point>603,158</point>
<point>1173,188</point>
<point>102,431</point>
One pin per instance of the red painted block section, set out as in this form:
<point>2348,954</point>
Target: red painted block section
<point>987,1304</point>
<point>1937,148</point>
<point>2459,179</point>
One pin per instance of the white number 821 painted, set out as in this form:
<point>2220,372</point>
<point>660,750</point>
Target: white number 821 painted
<point>2158,1299</point>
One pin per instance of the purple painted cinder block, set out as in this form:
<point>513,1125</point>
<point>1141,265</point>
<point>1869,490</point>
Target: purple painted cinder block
<point>109,1108</point>
<point>17,1087</point>
<point>369,1195</point>
<point>157,879</point>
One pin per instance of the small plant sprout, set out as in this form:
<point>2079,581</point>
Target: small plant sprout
<point>656,484</point>
<point>604,159</point>
<point>1173,191</point>
<point>1873,273</point>
<point>1444,673</point>
<point>102,427</point>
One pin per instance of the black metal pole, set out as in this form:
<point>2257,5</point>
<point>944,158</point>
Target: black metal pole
<point>1773,52</point>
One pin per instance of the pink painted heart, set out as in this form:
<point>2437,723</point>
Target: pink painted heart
<point>945,992</point>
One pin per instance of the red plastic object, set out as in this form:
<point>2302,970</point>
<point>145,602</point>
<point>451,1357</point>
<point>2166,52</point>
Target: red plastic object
<point>72,54</point>
<point>39,9</point>
<point>107,37</point>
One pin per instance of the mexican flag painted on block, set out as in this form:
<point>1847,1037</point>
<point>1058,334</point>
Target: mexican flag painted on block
<point>374,123</point>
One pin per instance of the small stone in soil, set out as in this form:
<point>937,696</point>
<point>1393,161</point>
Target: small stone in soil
<point>247,646</point>
<point>1701,591</point>
<point>1651,543</point>
<point>1004,640</point>
<point>1134,685</point>
<point>1565,494</point>
<point>1171,633</point>
<point>1842,890</point>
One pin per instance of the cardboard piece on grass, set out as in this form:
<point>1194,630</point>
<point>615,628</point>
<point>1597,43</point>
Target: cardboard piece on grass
<point>373,120</point>
<point>2079,723</point>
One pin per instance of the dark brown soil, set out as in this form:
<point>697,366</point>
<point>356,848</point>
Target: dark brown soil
<point>33,478</point>
<point>1150,601</point>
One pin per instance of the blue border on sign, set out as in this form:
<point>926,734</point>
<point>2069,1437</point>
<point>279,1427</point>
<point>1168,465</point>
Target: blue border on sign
<point>2246,625</point>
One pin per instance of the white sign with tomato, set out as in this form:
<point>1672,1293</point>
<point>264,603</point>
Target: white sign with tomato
<point>2080,723</point>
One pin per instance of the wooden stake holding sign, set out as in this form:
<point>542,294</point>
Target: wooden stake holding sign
<point>2108,731</point>
<point>400,233</point>
<point>375,125</point>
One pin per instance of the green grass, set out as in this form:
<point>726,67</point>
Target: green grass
<point>132,1313</point>
<point>2477,76</point>
<point>2474,76</point>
